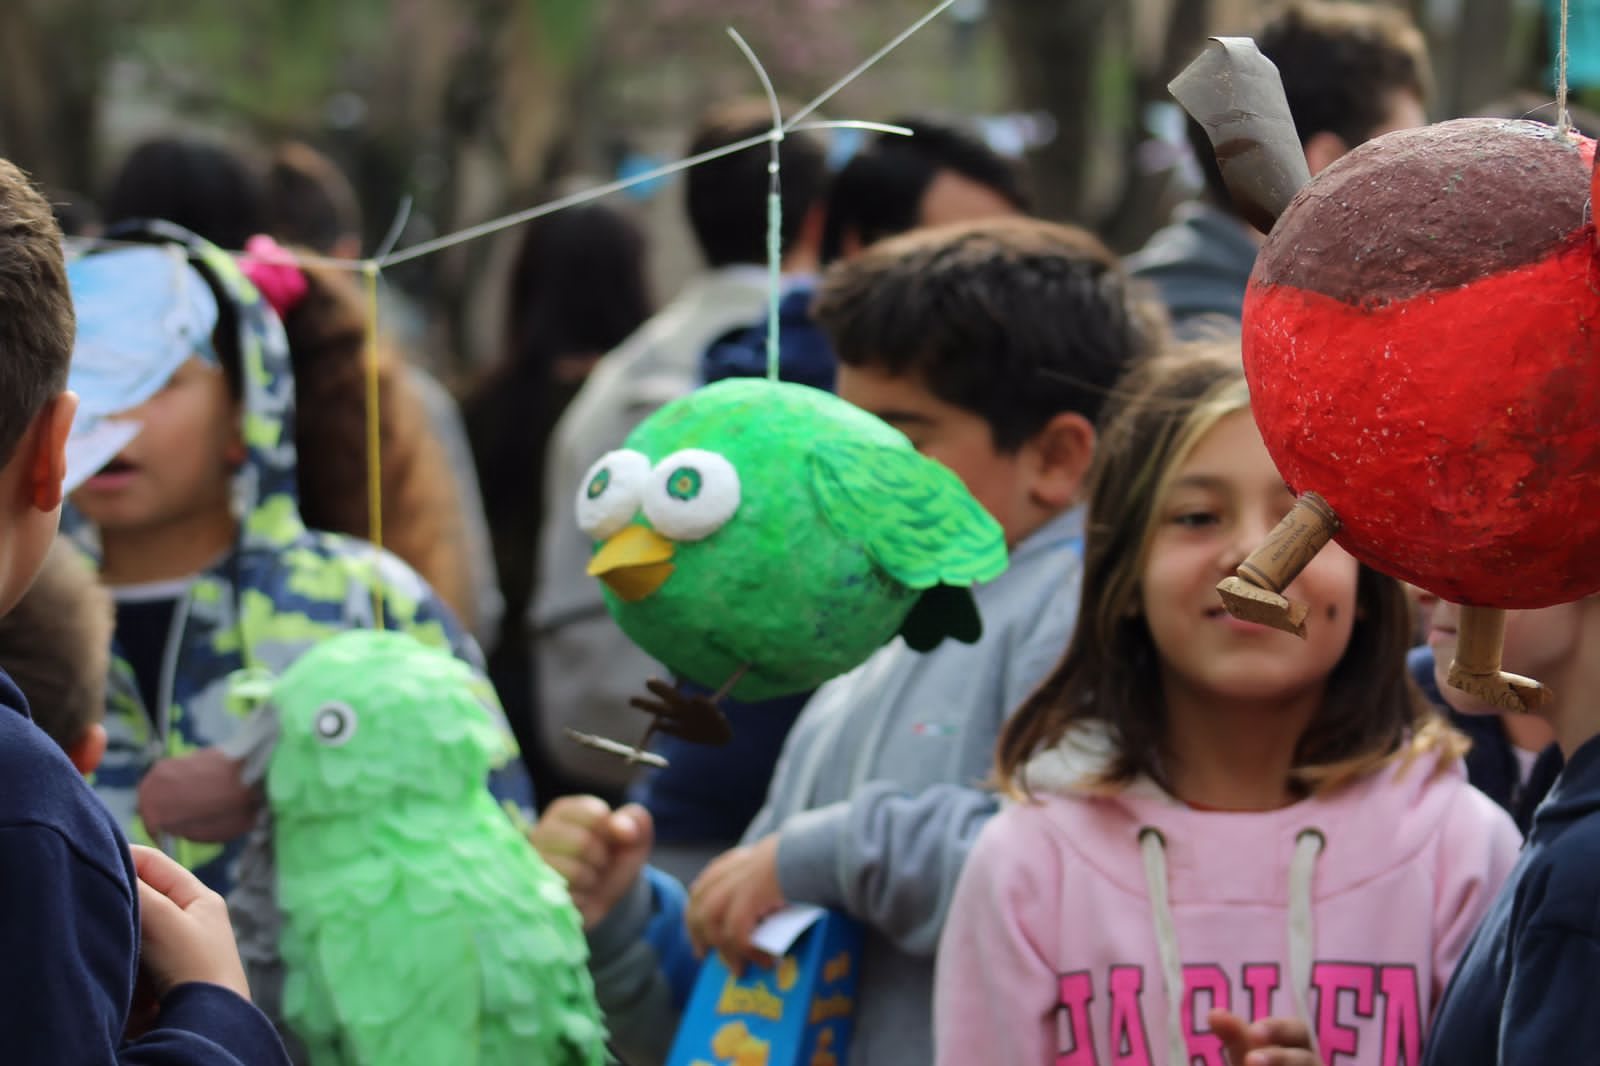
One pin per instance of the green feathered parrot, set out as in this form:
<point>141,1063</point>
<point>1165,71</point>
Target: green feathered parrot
<point>420,927</point>
<point>775,536</point>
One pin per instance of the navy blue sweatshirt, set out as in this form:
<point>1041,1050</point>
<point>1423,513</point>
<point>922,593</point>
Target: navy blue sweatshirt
<point>804,355</point>
<point>69,905</point>
<point>1525,989</point>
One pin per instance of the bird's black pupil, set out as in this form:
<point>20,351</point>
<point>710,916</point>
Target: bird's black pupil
<point>330,724</point>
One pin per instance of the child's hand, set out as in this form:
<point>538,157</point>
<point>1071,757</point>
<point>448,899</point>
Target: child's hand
<point>184,930</point>
<point>198,796</point>
<point>599,851</point>
<point>1269,1042</point>
<point>730,899</point>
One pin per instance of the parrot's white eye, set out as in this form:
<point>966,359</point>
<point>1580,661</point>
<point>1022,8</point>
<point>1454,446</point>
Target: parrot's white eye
<point>334,724</point>
<point>692,494</point>
<point>609,496</point>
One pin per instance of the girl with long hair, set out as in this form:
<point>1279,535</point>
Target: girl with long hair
<point>1209,815</point>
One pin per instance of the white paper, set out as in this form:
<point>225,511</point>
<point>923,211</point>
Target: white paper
<point>94,447</point>
<point>777,934</point>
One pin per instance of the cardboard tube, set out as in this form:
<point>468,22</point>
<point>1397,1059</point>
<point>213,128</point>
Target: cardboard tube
<point>1295,541</point>
<point>1480,637</point>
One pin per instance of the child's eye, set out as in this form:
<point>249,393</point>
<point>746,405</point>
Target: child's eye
<point>1194,519</point>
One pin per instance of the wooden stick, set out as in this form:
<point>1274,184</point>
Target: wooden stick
<point>1480,637</point>
<point>1256,593</point>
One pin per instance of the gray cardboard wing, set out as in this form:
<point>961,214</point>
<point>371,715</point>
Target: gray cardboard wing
<point>1234,92</point>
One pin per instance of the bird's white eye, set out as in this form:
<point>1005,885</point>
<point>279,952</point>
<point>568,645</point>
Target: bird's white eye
<point>334,724</point>
<point>609,496</point>
<point>692,494</point>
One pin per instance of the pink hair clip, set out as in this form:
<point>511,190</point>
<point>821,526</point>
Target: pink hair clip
<point>273,271</point>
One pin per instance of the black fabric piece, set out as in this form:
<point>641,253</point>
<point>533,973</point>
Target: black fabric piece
<point>942,611</point>
<point>142,630</point>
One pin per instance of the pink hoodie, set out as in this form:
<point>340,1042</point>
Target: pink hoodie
<point>1078,917</point>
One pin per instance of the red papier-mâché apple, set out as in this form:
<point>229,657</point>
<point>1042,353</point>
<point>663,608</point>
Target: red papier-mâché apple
<point>1422,341</point>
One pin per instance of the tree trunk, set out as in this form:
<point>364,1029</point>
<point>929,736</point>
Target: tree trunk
<point>1056,48</point>
<point>52,57</point>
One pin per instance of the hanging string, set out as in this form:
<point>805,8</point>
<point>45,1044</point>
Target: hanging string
<point>1563,120</point>
<point>774,206</point>
<point>374,437</point>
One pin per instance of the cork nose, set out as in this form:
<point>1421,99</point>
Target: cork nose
<point>634,563</point>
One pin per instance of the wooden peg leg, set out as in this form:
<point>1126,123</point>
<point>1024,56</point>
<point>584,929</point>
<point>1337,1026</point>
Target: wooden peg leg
<point>1476,667</point>
<point>1256,593</point>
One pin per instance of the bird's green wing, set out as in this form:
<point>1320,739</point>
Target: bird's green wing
<point>405,987</point>
<point>914,517</point>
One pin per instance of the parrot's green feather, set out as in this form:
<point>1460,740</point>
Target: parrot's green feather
<point>420,927</point>
<point>914,516</point>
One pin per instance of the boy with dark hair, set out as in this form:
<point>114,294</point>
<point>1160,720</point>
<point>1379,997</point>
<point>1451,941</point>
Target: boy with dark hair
<point>586,669</point>
<point>1351,72</point>
<point>56,645</point>
<point>992,345</point>
<point>84,917</point>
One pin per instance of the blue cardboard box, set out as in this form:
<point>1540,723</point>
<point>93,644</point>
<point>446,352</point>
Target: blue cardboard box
<point>796,1013</point>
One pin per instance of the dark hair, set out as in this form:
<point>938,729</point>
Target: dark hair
<point>1342,64</point>
<point>727,197</point>
<point>56,644</point>
<point>1015,319</point>
<point>578,289</point>
<point>206,188</point>
<point>879,192</point>
<point>1110,673</point>
<point>309,200</point>
<point>36,323</point>
<point>327,334</point>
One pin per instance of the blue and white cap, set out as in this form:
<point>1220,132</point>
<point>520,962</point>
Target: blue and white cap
<point>142,313</point>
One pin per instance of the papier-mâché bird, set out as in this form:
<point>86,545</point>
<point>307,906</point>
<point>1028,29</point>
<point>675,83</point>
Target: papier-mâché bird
<point>776,536</point>
<point>420,927</point>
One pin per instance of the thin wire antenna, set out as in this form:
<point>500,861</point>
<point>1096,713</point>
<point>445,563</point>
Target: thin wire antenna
<point>774,206</point>
<point>396,228</point>
<point>853,124</point>
<point>495,225</point>
<point>868,63</point>
<point>1563,119</point>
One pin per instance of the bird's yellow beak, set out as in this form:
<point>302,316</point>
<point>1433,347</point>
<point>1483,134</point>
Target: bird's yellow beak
<point>634,563</point>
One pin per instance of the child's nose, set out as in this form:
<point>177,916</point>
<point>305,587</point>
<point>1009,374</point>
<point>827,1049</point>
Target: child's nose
<point>1249,532</point>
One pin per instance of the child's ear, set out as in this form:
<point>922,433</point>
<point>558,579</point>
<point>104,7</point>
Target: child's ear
<point>48,466</point>
<point>1063,451</point>
<point>89,749</point>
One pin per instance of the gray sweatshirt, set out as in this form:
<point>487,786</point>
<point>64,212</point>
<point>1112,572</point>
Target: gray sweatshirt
<point>877,798</point>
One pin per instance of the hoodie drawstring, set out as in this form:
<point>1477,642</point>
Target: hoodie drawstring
<point>1152,845</point>
<point>1308,845</point>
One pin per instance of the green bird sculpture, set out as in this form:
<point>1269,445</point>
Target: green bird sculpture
<point>420,926</point>
<point>760,538</point>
